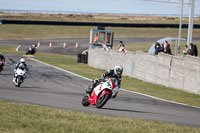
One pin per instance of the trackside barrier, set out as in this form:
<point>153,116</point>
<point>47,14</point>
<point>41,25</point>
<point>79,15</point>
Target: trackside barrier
<point>137,25</point>
<point>171,71</point>
<point>82,58</point>
<point>106,60</point>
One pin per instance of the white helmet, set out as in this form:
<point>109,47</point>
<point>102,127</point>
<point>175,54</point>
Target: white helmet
<point>118,70</point>
<point>22,60</point>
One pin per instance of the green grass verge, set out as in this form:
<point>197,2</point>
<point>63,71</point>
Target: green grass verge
<point>12,31</point>
<point>24,118</point>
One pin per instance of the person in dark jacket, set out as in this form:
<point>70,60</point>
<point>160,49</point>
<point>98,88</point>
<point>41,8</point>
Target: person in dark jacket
<point>191,50</point>
<point>158,48</point>
<point>195,50</point>
<point>115,73</point>
<point>167,49</point>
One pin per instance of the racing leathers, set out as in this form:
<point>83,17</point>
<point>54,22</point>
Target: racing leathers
<point>2,57</point>
<point>19,64</point>
<point>2,60</point>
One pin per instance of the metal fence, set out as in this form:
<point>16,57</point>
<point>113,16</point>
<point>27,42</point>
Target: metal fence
<point>71,12</point>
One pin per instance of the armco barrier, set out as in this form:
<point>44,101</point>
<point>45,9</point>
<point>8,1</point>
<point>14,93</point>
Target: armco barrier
<point>67,23</point>
<point>171,71</point>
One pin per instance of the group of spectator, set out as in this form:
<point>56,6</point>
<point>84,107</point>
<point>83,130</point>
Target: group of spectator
<point>165,48</point>
<point>190,51</point>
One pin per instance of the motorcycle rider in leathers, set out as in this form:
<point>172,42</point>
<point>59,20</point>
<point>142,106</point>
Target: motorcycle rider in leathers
<point>115,73</point>
<point>3,59</point>
<point>20,63</point>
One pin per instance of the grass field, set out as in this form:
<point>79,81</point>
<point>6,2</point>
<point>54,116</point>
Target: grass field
<point>24,118</point>
<point>12,31</point>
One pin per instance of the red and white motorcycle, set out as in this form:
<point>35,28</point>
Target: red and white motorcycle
<point>1,64</point>
<point>101,93</point>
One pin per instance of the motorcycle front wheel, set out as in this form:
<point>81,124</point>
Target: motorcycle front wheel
<point>18,82</point>
<point>85,101</point>
<point>101,101</point>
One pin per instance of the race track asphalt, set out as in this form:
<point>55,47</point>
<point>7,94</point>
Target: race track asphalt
<point>48,86</point>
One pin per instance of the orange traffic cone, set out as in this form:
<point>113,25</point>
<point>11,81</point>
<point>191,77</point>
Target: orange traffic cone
<point>38,45</point>
<point>76,44</point>
<point>50,45</point>
<point>64,45</point>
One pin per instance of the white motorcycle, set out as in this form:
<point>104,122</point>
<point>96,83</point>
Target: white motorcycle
<point>19,76</point>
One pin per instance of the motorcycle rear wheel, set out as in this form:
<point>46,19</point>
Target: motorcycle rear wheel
<point>85,101</point>
<point>101,101</point>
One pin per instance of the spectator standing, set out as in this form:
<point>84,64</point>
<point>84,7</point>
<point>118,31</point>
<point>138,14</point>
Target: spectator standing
<point>121,47</point>
<point>96,38</point>
<point>167,48</point>
<point>191,50</point>
<point>195,50</point>
<point>121,44</point>
<point>186,50</point>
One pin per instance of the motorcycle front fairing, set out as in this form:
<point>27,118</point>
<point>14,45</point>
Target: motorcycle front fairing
<point>20,72</point>
<point>101,89</point>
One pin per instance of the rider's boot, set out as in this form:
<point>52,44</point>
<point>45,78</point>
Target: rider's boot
<point>89,90</point>
<point>114,95</point>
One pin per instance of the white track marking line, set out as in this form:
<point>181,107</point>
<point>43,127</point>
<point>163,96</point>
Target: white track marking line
<point>121,89</point>
<point>17,49</point>
<point>61,69</point>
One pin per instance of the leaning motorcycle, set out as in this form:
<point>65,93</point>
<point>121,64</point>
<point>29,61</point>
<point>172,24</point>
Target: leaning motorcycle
<point>20,76</point>
<point>31,51</point>
<point>1,64</point>
<point>101,93</point>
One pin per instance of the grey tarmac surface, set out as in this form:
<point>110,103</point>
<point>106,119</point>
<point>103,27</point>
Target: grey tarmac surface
<point>57,44</point>
<point>48,86</point>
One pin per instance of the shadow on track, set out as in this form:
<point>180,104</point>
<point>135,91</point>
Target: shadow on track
<point>125,110</point>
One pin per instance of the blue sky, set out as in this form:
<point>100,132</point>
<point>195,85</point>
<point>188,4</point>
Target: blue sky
<point>99,6</point>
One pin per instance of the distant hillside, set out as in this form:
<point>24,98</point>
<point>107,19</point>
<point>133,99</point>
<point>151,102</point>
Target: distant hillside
<point>95,18</point>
